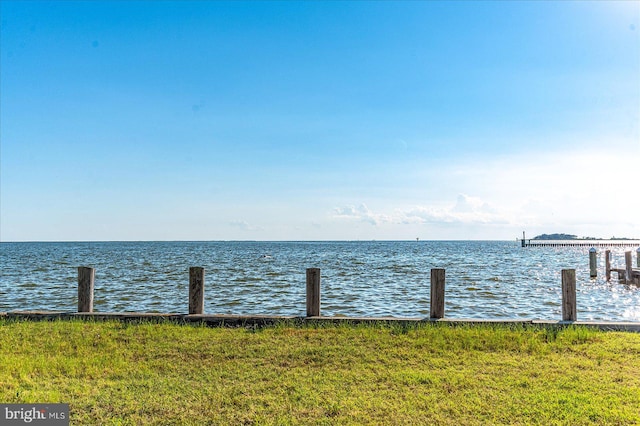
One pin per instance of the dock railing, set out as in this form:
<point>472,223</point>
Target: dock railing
<point>579,243</point>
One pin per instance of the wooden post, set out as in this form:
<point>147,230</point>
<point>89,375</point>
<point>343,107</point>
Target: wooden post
<point>628,266</point>
<point>607,264</point>
<point>86,279</point>
<point>569,295</point>
<point>622,276</point>
<point>196,290</point>
<point>313,292</point>
<point>437,293</point>
<point>638,257</point>
<point>593,262</point>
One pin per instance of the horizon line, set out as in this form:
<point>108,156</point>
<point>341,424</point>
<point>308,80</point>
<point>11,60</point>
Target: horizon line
<point>418,240</point>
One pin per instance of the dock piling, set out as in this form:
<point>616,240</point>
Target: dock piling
<point>437,293</point>
<point>313,292</point>
<point>628,266</point>
<point>196,290</point>
<point>569,295</point>
<point>593,262</point>
<point>86,280</point>
<point>607,264</point>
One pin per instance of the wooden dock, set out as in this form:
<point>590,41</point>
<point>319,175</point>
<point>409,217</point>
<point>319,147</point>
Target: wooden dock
<point>580,243</point>
<point>626,275</point>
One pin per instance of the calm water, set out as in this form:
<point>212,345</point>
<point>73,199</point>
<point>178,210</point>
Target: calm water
<point>484,279</point>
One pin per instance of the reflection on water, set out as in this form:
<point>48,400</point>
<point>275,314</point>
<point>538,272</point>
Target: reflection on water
<point>484,279</point>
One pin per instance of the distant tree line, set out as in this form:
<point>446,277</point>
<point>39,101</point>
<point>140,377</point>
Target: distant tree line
<point>556,237</point>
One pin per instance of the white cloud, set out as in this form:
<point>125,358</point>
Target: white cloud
<point>466,210</point>
<point>580,192</point>
<point>361,213</point>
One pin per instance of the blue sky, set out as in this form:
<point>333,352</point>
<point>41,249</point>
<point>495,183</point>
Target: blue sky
<point>318,120</point>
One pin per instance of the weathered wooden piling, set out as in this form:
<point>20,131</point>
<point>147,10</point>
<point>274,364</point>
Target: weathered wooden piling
<point>313,292</point>
<point>196,290</point>
<point>569,295</point>
<point>607,264</point>
<point>593,262</point>
<point>437,293</point>
<point>628,266</point>
<point>86,279</point>
<point>638,257</point>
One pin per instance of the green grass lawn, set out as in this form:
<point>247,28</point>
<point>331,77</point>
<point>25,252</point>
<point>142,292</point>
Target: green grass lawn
<point>161,373</point>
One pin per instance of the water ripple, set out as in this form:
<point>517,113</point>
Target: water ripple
<point>484,279</point>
